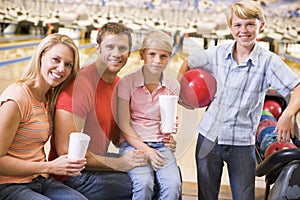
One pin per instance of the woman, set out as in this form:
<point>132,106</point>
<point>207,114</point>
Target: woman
<point>28,107</point>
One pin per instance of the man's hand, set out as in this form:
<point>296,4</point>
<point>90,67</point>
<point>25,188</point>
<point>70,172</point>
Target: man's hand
<point>171,143</point>
<point>156,159</point>
<point>131,159</point>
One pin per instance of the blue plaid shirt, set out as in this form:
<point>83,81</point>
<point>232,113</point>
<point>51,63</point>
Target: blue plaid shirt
<point>234,114</point>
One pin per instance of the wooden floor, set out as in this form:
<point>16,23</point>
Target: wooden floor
<point>189,191</point>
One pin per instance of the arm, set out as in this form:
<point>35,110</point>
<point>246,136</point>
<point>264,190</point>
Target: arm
<point>201,60</point>
<point>65,123</point>
<point>170,143</point>
<point>184,67</point>
<point>156,158</point>
<point>11,166</point>
<point>285,124</point>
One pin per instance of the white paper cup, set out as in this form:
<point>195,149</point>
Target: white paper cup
<point>168,112</point>
<point>78,145</point>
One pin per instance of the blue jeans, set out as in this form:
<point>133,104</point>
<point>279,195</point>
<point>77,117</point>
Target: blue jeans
<point>241,163</point>
<point>168,176</point>
<point>39,189</point>
<point>102,185</point>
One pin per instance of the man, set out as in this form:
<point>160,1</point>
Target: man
<point>88,104</point>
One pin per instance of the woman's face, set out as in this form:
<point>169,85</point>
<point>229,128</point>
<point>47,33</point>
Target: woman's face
<point>57,64</point>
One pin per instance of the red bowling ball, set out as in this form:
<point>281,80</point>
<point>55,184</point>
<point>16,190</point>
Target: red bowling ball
<point>278,146</point>
<point>274,107</point>
<point>198,88</point>
<point>266,142</point>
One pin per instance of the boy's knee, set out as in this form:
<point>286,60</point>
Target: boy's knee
<point>147,184</point>
<point>172,186</point>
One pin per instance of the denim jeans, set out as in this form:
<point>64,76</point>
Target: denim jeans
<point>102,185</point>
<point>39,189</point>
<point>241,163</point>
<point>168,176</point>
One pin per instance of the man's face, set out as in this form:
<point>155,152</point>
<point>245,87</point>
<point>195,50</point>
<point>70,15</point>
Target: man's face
<point>114,51</point>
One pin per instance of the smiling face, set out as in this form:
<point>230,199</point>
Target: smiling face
<point>245,31</point>
<point>57,64</point>
<point>114,51</point>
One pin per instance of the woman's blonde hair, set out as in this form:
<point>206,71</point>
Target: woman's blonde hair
<point>245,10</point>
<point>159,37</point>
<point>32,74</point>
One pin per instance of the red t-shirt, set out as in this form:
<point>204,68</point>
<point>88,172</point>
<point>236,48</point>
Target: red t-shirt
<point>92,99</point>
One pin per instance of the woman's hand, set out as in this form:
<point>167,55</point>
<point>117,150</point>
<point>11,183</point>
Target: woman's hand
<point>66,166</point>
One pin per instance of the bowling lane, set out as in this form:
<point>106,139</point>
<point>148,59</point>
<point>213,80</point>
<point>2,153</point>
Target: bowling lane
<point>14,47</point>
<point>294,66</point>
<point>13,60</point>
<point>20,47</point>
<point>10,73</point>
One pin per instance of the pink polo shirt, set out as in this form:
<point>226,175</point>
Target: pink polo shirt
<point>144,106</point>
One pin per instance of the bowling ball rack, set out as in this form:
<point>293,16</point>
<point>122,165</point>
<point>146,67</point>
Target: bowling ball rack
<point>273,95</point>
<point>278,165</point>
<point>272,166</point>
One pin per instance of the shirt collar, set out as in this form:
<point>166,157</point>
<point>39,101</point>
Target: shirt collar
<point>253,58</point>
<point>139,78</point>
<point>140,81</point>
<point>254,54</point>
<point>229,51</point>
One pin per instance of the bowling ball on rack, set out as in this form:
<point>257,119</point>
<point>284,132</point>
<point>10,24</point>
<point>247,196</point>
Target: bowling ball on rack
<point>266,142</point>
<point>263,124</point>
<point>267,117</point>
<point>266,112</point>
<point>198,88</point>
<point>278,146</point>
<point>274,107</point>
<point>266,131</point>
